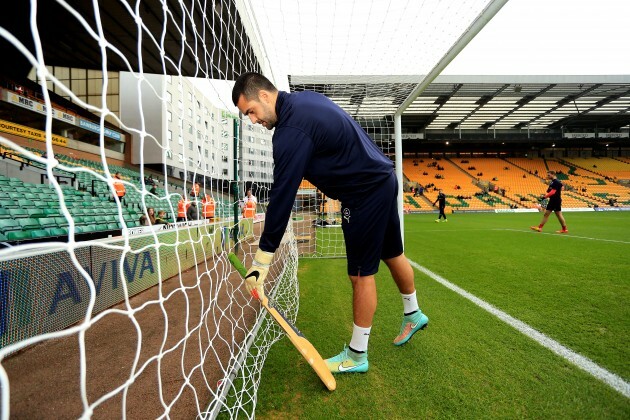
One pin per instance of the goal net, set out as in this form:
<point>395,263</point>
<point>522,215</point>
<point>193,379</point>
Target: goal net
<point>124,185</point>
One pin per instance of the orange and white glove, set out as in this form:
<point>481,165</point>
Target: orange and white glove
<point>255,277</point>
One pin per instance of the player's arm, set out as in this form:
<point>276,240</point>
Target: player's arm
<point>291,153</point>
<point>549,194</point>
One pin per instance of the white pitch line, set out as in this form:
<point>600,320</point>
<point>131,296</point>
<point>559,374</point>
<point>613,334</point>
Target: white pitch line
<point>565,235</point>
<point>584,363</point>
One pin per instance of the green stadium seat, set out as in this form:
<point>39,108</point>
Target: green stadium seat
<point>88,228</point>
<point>24,203</point>
<point>29,224</point>
<point>113,226</point>
<point>58,231</point>
<point>9,204</point>
<point>18,235</point>
<point>36,213</point>
<point>52,212</point>
<point>90,220</point>
<point>18,213</point>
<point>7,225</point>
<point>110,218</point>
<point>47,222</point>
<point>3,238</point>
<point>39,233</point>
<point>4,213</point>
<point>61,221</point>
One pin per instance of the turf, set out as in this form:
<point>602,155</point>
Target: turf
<point>468,364</point>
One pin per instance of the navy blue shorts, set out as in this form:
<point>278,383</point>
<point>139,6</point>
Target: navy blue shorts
<point>371,229</point>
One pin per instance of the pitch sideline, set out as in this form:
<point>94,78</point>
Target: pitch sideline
<point>584,363</point>
<point>564,236</point>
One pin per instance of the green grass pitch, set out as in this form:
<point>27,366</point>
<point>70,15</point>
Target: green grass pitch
<point>468,363</point>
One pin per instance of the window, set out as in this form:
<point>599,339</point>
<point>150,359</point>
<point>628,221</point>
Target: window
<point>262,141</point>
<point>205,152</point>
<point>169,116</point>
<point>169,135</point>
<point>169,97</point>
<point>189,97</point>
<point>225,172</point>
<point>180,157</point>
<point>190,145</point>
<point>169,79</point>
<point>189,112</point>
<point>190,128</point>
<point>224,146</point>
<point>169,154</point>
<point>224,158</point>
<point>180,104</point>
<point>180,140</point>
<point>206,124</point>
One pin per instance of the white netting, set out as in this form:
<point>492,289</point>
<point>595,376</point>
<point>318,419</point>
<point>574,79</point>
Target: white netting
<point>152,321</point>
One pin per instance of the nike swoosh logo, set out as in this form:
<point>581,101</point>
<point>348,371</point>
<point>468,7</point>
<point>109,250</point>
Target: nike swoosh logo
<point>342,368</point>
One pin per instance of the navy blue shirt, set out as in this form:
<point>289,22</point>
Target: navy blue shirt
<point>555,185</point>
<point>317,140</point>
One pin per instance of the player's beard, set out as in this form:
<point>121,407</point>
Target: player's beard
<point>269,118</point>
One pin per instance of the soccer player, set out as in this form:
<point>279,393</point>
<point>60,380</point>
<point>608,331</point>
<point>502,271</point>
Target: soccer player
<point>441,198</point>
<point>554,204</point>
<point>317,140</point>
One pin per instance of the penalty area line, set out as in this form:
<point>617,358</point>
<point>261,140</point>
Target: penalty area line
<point>584,363</point>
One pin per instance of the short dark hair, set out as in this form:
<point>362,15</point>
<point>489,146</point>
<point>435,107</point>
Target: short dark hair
<point>552,173</point>
<point>249,84</point>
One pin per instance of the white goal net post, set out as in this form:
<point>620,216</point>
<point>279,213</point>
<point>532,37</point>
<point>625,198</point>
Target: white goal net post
<point>154,317</point>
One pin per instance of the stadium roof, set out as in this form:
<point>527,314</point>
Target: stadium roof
<point>484,102</point>
<point>196,42</point>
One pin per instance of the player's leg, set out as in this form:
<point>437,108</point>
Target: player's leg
<point>364,228</point>
<point>403,275</point>
<point>353,359</point>
<point>413,318</point>
<point>542,222</point>
<point>563,223</point>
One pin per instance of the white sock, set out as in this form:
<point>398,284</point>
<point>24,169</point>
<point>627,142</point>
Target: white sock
<point>410,303</point>
<point>360,337</point>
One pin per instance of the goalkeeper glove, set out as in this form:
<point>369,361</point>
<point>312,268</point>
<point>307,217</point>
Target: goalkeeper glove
<point>255,277</point>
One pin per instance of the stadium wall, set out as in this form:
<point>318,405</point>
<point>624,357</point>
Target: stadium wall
<point>46,292</point>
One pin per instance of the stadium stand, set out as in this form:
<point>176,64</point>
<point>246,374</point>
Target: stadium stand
<point>30,211</point>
